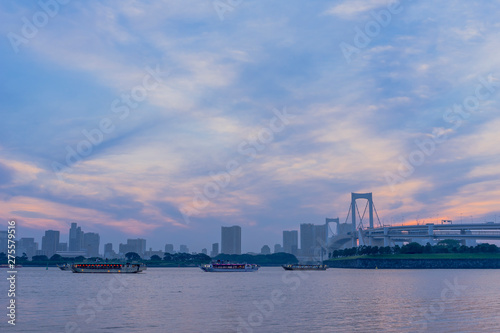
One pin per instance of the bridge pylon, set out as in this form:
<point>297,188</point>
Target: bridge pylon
<point>354,197</point>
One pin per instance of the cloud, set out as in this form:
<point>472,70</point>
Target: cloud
<point>353,122</point>
<point>352,8</point>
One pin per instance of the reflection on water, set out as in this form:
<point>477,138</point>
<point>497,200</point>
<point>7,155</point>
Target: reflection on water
<point>270,300</point>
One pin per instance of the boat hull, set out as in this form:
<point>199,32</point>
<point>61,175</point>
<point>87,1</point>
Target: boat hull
<point>108,268</point>
<point>64,267</point>
<point>304,267</point>
<point>224,268</point>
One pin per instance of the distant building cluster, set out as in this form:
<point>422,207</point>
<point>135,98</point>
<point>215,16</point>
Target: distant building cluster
<point>313,239</point>
<point>86,244</point>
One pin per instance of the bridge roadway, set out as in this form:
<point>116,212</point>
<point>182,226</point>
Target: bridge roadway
<point>432,231</point>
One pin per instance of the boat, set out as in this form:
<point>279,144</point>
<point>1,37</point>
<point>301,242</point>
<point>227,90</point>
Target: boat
<point>65,267</point>
<point>300,267</point>
<point>108,267</point>
<point>224,266</point>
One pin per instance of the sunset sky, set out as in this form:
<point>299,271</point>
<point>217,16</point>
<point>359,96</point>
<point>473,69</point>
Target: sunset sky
<point>167,120</point>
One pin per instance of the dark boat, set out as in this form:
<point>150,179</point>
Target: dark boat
<point>218,266</point>
<point>300,267</point>
<point>65,267</point>
<point>108,267</point>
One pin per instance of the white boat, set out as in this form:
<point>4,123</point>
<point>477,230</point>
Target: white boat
<point>218,266</point>
<point>108,268</point>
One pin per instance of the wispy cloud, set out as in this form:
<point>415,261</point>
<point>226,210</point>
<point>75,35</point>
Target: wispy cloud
<point>353,122</point>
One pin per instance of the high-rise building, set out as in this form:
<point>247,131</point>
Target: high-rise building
<point>231,240</point>
<point>215,250</point>
<point>183,249</point>
<point>307,239</point>
<point>204,251</point>
<point>28,246</point>
<point>313,239</point>
<point>4,240</point>
<point>137,245</point>
<point>50,242</point>
<point>265,250</point>
<point>169,248</point>
<point>278,248</point>
<point>291,241</point>
<point>320,235</point>
<point>91,242</point>
<point>108,247</point>
<point>62,247</point>
<point>108,251</point>
<point>75,238</point>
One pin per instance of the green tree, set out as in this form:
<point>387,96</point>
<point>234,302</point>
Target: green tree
<point>155,257</point>
<point>412,248</point>
<point>428,248</point>
<point>132,256</point>
<point>374,250</point>
<point>56,257</point>
<point>40,258</point>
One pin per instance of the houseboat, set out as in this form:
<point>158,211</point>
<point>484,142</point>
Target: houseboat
<point>299,267</point>
<point>108,267</point>
<point>218,266</point>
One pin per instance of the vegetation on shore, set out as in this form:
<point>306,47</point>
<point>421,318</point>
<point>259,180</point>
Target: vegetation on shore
<point>168,260</point>
<point>275,259</point>
<point>446,249</point>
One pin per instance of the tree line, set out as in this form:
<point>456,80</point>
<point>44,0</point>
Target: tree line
<point>445,246</point>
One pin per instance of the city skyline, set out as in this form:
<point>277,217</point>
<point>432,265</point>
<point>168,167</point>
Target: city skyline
<point>89,242</point>
<point>140,125</point>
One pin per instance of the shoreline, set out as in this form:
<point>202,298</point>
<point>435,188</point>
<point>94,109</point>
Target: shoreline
<point>416,263</point>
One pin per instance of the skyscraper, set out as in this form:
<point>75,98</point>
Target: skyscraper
<point>4,240</point>
<point>215,250</point>
<point>320,235</point>
<point>108,251</point>
<point>307,239</point>
<point>169,248</point>
<point>312,238</point>
<point>28,246</point>
<point>91,242</point>
<point>183,249</point>
<point>290,241</point>
<point>265,250</point>
<point>50,242</point>
<point>231,240</point>
<point>75,238</point>
<point>137,245</point>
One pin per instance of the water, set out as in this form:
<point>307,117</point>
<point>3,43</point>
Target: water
<point>189,300</point>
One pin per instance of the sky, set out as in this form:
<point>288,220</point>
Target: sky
<point>166,120</point>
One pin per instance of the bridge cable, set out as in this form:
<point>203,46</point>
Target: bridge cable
<point>380,224</point>
<point>348,213</point>
<point>364,213</point>
<point>360,219</point>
